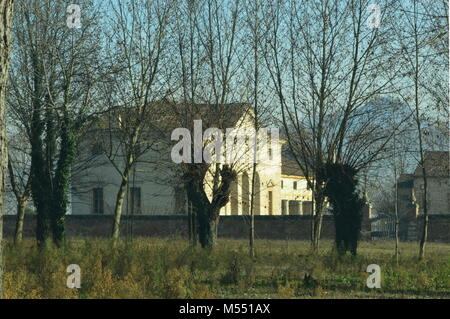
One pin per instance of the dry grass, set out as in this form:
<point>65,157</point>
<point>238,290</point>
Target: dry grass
<point>155,268</point>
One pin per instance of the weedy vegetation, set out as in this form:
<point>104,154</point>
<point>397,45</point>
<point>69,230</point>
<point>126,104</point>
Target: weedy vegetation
<point>157,268</point>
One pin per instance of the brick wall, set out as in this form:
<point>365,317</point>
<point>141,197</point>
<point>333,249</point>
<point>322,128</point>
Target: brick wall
<point>266,227</point>
<point>438,227</point>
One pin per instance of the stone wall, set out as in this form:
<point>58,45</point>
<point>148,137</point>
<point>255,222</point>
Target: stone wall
<point>438,227</point>
<point>266,227</point>
<point>294,227</point>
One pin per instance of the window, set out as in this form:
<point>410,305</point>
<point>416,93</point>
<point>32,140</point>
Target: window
<point>270,203</point>
<point>98,200</point>
<point>247,147</point>
<point>135,200</point>
<point>281,184</point>
<point>294,207</point>
<point>307,208</point>
<point>284,207</point>
<point>270,154</point>
<point>295,185</point>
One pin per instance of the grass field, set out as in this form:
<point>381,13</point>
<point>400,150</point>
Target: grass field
<point>156,268</point>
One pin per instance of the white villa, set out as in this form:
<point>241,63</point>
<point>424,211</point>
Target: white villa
<point>155,189</point>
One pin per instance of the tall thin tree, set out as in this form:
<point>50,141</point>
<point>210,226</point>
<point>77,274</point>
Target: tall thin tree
<point>6,14</point>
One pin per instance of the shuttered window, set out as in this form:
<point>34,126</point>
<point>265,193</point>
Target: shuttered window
<point>135,200</point>
<point>98,201</point>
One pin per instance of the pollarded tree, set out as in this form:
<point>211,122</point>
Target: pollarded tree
<point>341,191</point>
<point>209,86</point>
<point>327,62</point>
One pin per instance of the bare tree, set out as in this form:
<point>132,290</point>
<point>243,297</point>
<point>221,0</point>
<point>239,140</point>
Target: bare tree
<point>138,51</point>
<point>54,72</point>
<point>397,219</point>
<point>6,15</point>
<point>326,75</point>
<point>258,24</point>
<point>209,62</point>
<point>436,25</point>
<point>421,44</point>
<point>254,23</point>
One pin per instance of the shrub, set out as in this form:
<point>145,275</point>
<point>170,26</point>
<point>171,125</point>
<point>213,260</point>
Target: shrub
<point>154,268</point>
<point>233,272</point>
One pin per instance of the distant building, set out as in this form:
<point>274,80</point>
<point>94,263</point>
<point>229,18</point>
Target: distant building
<point>296,196</point>
<point>382,227</point>
<point>156,189</point>
<point>411,191</point>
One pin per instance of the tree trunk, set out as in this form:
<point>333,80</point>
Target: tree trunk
<point>424,238</point>
<point>208,222</point>
<point>21,204</point>
<point>6,13</point>
<point>192,224</point>
<point>41,180</point>
<point>256,127</point>
<point>397,243</point>
<point>118,210</point>
<point>252,213</point>
<point>317,220</point>
<point>57,225</point>
<point>397,222</point>
<point>62,182</point>
<point>252,234</point>
<point>21,196</point>
<point>317,230</point>
<point>206,212</point>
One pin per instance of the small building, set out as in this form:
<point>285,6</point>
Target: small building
<point>411,192</point>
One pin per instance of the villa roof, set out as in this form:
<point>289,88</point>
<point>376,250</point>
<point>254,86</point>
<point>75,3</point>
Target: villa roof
<point>166,116</point>
<point>290,167</point>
